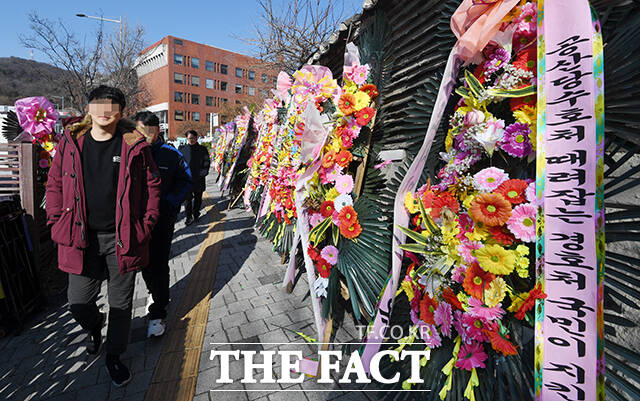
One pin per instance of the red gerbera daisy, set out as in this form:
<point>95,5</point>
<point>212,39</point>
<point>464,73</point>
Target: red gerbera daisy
<point>370,89</point>
<point>365,115</point>
<point>427,199</point>
<point>501,234</point>
<point>343,158</point>
<point>327,208</point>
<point>313,253</point>
<point>526,59</point>
<point>417,222</point>
<point>428,306</point>
<point>348,216</point>
<point>352,231</point>
<point>323,267</point>
<point>499,343</point>
<point>518,102</point>
<point>449,296</point>
<point>444,200</point>
<point>477,280</point>
<point>527,305</point>
<point>513,190</point>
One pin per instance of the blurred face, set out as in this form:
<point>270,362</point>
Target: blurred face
<point>192,139</point>
<point>149,131</point>
<point>104,112</point>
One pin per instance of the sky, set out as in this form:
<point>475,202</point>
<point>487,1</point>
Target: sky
<point>214,22</point>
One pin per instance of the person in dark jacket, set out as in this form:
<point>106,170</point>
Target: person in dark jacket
<point>199,161</point>
<point>176,183</point>
<point>103,200</point>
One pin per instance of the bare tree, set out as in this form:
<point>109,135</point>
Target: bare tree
<point>103,59</point>
<point>292,30</point>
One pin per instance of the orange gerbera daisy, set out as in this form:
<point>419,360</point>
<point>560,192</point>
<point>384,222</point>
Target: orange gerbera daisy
<point>513,190</point>
<point>328,159</point>
<point>499,343</point>
<point>327,208</point>
<point>347,103</point>
<point>343,158</point>
<point>477,280</point>
<point>348,216</point>
<point>491,209</point>
<point>444,200</point>
<point>370,89</point>
<point>352,231</point>
<point>428,306</point>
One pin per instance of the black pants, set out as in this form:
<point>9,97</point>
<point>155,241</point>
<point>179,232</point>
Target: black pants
<point>100,263</point>
<point>192,204</point>
<point>156,275</point>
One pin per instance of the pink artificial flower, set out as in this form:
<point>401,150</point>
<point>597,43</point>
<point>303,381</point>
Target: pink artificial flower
<point>465,248</point>
<point>458,274</point>
<point>477,309</point>
<point>530,192</point>
<point>315,219</point>
<point>360,74</point>
<point>43,163</point>
<point>471,356</point>
<point>335,218</point>
<point>472,328</point>
<point>381,165</point>
<point>522,222</point>
<point>527,20</point>
<point>429,334</point>
<point>333,174</point>
<point>36,115</point>
<point>465,223</point>
<point>330,254</point>
<point>344,184</point>
<point>442,316</point>
<point>489,179</point>
<point>349,72</point>
<point>473,117</point>
<point>347,138</point>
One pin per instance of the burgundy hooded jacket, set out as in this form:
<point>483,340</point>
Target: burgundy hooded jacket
<point>137,206</point>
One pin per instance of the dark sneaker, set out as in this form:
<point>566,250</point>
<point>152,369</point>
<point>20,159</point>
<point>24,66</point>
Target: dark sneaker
<point>120,374</point>
<point>189,221</point>
<point>196,218</point>
<point>94,338</point>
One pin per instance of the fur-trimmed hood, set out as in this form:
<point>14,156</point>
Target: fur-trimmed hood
<point>77,127</point>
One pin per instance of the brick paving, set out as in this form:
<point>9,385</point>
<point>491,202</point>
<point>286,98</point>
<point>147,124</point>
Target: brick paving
<point>248,305</point>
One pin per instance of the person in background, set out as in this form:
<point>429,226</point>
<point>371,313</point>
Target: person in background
<point>103,200</point>
<point>176,184</point>
<point>198,159</point>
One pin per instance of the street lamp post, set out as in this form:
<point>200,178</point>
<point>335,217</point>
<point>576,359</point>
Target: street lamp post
<point>117,21</point>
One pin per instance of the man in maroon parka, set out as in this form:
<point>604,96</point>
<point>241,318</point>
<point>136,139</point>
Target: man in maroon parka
<point>103,196</point>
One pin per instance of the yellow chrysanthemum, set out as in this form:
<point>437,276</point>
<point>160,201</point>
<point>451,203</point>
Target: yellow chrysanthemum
<point>411,203</point>
<point>479,233</point>
<point>522,261</point>
<point>496,292</point>
<point>362,100</point>
<point>466,202</point>
<point>407,288</point>
<point>350,87</point>
<point>448,142</point>
<point>495,259</point>
<point>331,194</point>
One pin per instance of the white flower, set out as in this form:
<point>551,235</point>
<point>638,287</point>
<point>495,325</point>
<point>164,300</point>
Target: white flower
<point>320,286</point>
<point>341,201</point>
<point>491,135</point>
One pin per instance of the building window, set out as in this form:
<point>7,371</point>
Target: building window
<point>178,115</point>
<point>223,86</point>
<point>265,93</point>
<point>196,116</point>
<point>177,41</point>
<point>225,100</point>
<point>264,78</point>
<point>209,100</point>
<point>252,91</point>
<point>208,83</point>
<point>238,72</point>
<point>177,96</point>
<point>223,69</point>
<point>178,78</point>
<point>238,102</point>
<point>238,88</point>
<point>178,59</point>
<point>208,65</point>
<point>195,81</point>
<point>252,75</point>
<point>195,99</point>
<point>195,62</point>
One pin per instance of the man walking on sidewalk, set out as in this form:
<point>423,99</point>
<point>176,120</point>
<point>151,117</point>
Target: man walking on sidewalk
<point>198,159</point>
<point>103,195</point>
<point>176,183</point>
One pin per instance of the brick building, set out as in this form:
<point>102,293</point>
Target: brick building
<point>188,81</point>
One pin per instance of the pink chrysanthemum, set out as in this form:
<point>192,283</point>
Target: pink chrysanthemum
<point>465,248</point>
<point>442,316</point>
<point>315,219</point>
<point>471,356</point>
<point>335,217</point>
<point>489,179</point>
<point>477,309</point>
<point>530,193</point>
<point>344,184</point>
<point>333,173</point>
<point>459,274</point>
<point>522,222</point>
<point>472,328</point>
<point>330,254</point>
<point>429,334</point>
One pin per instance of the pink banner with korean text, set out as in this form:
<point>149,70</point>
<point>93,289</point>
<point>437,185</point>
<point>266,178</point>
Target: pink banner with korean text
<point>570,246</point>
